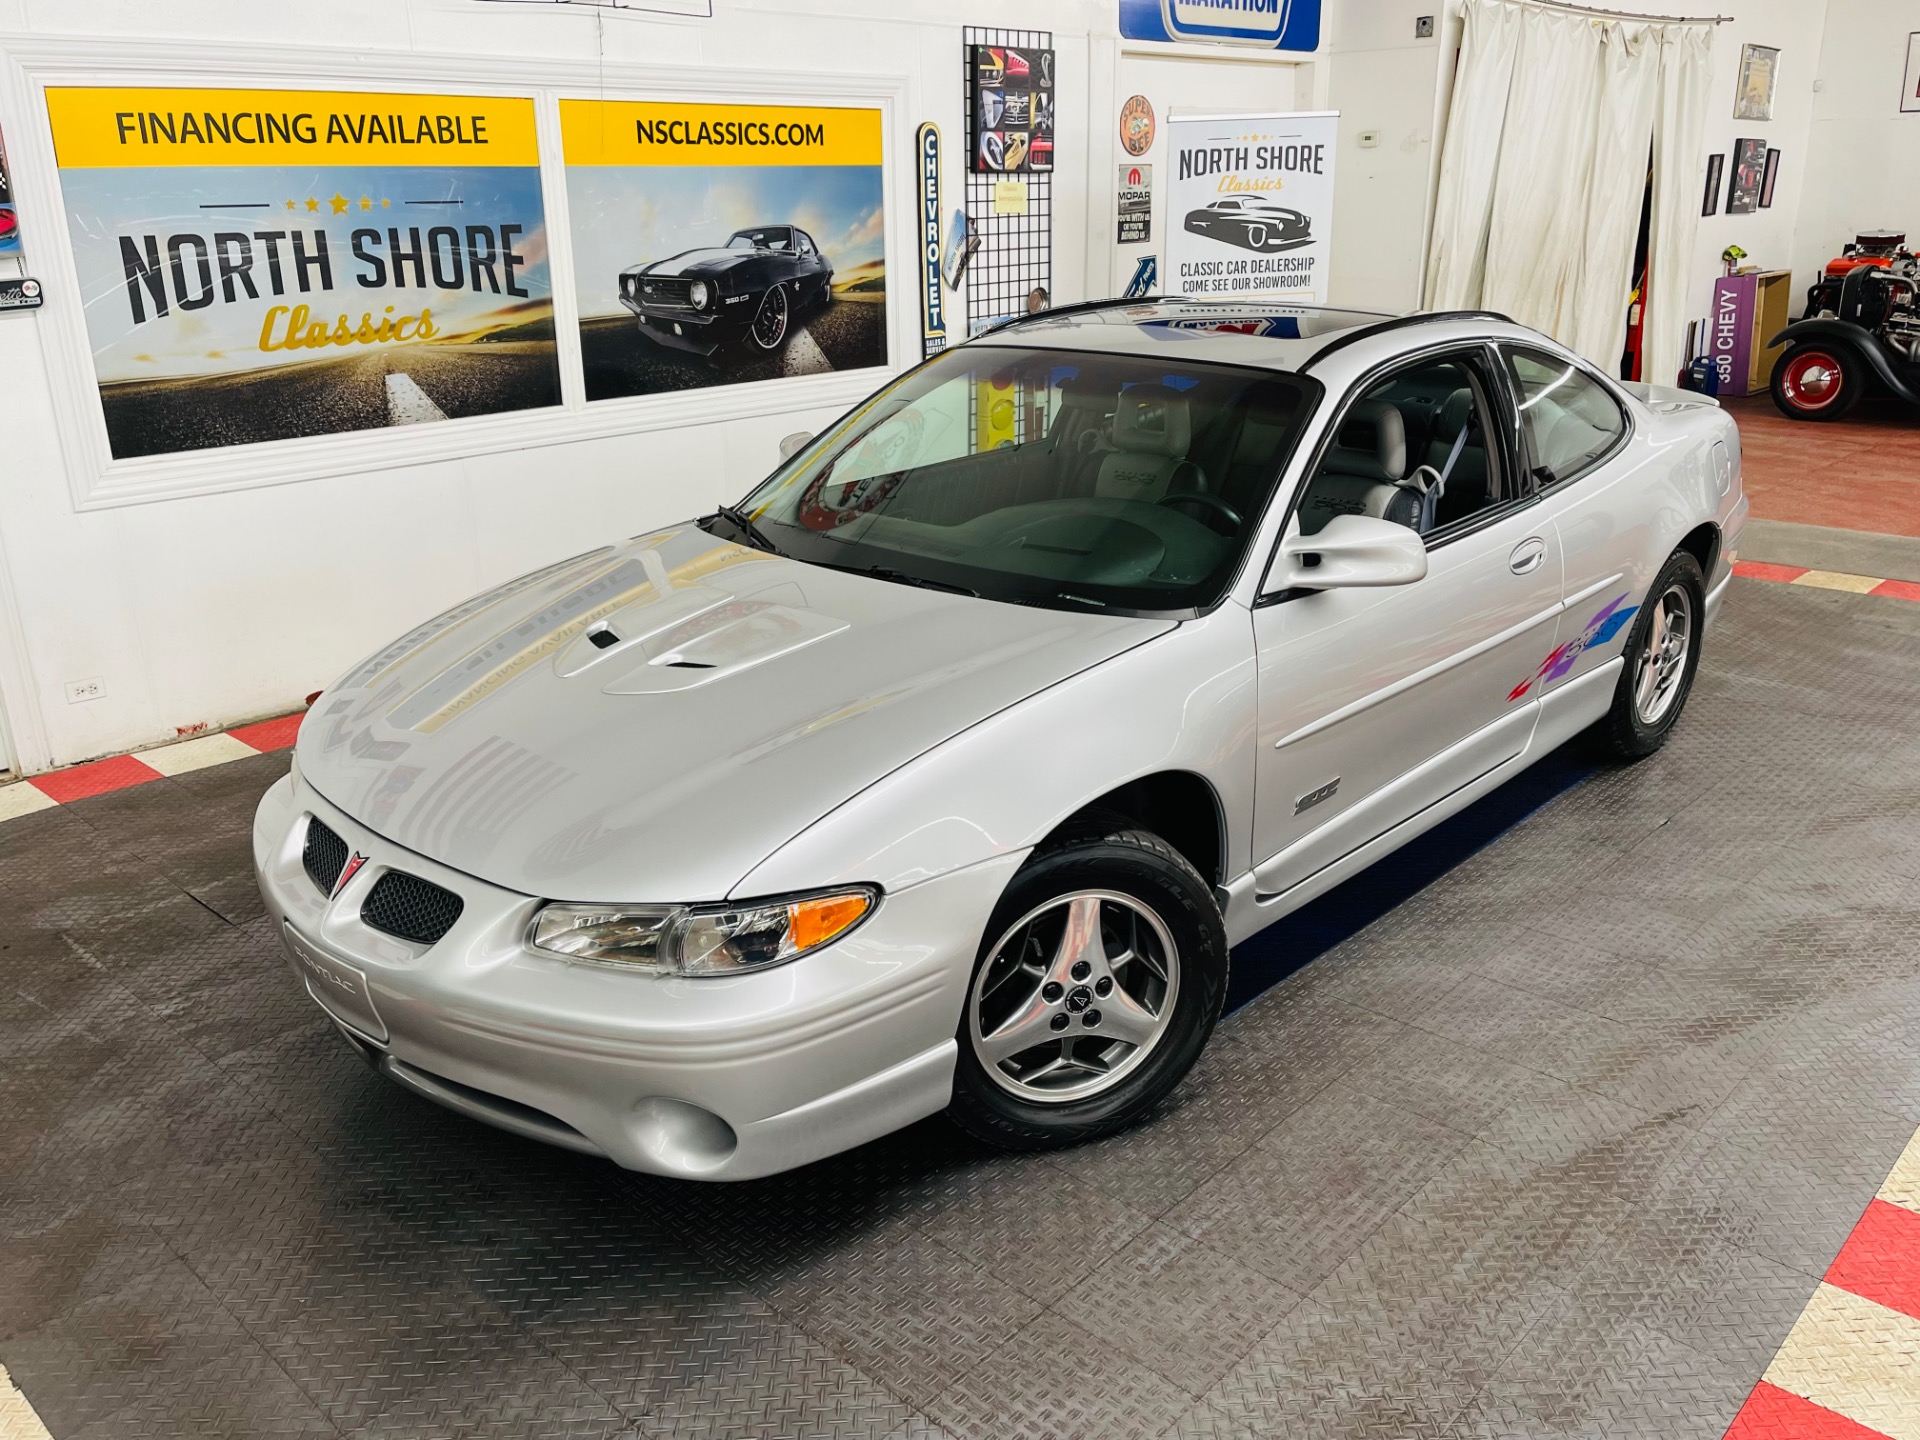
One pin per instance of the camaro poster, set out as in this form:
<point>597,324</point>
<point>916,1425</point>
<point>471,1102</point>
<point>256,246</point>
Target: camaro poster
<point>263,264</point>
<point>719,243</point>
<point>1250,205</point>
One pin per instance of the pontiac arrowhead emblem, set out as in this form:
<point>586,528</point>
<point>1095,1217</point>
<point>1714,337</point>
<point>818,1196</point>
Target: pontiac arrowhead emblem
<point>351,869</point>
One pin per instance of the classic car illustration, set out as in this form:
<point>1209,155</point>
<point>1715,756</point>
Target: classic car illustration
<point>746,292</point>
<point>940,773</point>
<point>1252,222</point>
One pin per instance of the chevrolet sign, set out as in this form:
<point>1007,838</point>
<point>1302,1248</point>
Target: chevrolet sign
<point>1268,24</point>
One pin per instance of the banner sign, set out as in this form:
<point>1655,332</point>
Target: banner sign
<point>1268,24</point>
<point>1136,204</point>
<point>1250,205</point>
<point>714,244</point>
<point>262,264</point>
<point>9,218</point>
<point>1013,103</point>
<point>933,306</point>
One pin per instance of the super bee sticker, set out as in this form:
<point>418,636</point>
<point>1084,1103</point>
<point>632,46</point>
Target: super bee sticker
<point>1602,628</point>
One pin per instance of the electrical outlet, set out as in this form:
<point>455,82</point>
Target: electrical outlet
<point>81,691</point>
<point>1423,28</point>
<point>1368,139</point>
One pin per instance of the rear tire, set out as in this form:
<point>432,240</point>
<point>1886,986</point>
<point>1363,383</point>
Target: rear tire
<point>1106,933</point>
<point>1662,654</point>
<point>1818,381</point>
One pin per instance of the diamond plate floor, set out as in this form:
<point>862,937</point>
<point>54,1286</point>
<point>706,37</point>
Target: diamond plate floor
<point>1548,1128</point>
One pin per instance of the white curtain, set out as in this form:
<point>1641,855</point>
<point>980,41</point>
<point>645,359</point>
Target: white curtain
<point>1544,165</point>
<point>1679,170</point>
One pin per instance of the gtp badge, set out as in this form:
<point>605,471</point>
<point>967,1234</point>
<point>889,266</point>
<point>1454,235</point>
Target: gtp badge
<point>348,871</point>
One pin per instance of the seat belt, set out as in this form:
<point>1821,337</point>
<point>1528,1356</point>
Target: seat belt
<point>1430,497</point>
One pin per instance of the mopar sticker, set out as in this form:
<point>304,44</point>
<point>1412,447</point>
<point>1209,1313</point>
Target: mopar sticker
<point>933,314</point>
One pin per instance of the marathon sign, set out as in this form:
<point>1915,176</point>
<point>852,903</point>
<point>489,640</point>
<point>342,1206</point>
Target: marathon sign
<point>259,265</point>
<point>1265,24</point>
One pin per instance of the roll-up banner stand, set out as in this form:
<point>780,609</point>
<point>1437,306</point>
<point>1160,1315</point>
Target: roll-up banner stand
<point>1250,205</point>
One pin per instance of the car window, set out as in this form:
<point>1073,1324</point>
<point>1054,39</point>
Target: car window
<point>1569,419</point>
<point>1417,448</point>
<point>1046,477</point>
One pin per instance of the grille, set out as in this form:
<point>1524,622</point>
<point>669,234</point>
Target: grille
<point>324,856</point>
<point>666,293</point>
<point>412,908</point>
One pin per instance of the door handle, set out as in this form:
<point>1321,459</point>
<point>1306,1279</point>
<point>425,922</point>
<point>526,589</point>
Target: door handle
<point>1528,556</point>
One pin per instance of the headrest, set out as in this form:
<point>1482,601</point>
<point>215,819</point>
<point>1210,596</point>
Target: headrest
<point>1152,420</point>
<point>1372,442</point>
<point>1082,393</point>
<point>1454,415</point>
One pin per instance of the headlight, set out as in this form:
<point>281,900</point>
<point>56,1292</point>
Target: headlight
<point>697,294</point>
<point>702,940</point>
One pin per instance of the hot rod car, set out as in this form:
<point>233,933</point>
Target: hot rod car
<point>746,291</point>
<point>1861,331</point>
<point>1252,222</point>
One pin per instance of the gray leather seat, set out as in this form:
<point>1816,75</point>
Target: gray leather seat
<point>1362,471</point>
<point>1466,489</point>
<point>1151,432</point>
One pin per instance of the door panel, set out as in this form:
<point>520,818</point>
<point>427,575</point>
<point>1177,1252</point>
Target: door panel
<point>1360,688</point>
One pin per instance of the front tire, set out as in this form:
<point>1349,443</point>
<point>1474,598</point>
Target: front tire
<point>1663,653</point>
<point>769,329</point>
<point>1102,972</point>
<point>1818,381</point>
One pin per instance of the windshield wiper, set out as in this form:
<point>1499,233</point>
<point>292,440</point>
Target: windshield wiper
<point>900,577</point>
<point>753,534</point>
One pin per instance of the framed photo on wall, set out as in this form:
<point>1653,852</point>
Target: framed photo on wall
<point>1910,96</point>
<point>1749,172</point>
<point>1716,170</point>
<point>1759,67</point>
<point>1766,184</point>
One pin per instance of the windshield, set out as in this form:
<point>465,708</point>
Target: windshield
<point>1047,477</point>
<point>778,239</point>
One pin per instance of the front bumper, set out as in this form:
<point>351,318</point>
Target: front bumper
<point>721,1079</point>
<point>701,334</point>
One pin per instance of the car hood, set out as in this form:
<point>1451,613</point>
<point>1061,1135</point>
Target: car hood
<point>650,721</point>
<point>708,260</point>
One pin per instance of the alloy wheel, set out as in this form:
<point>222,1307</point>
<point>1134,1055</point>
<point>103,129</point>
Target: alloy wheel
<point>1663,660</point>
<point>770,321</point>
<point>1074,996</point>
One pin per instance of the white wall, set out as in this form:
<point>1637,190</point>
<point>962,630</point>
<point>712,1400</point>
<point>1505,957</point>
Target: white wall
<point>1862,154</point>
<point>1385,79</point>
<point>1798,29</point>
<point>217,608</point>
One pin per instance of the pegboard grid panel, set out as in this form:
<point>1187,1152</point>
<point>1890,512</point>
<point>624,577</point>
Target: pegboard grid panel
<point>1016,251</point>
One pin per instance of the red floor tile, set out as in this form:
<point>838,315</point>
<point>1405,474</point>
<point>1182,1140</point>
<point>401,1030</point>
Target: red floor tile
<point>1773,1414</point>
<point>81,781</point>
<point>1861,473</point>
<point>1762,570</point>
<point>1881,1259</point>
<point>1898,589</point>
<point>270,734</point>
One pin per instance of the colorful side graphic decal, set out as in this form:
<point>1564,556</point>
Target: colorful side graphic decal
<point>1602,628</point>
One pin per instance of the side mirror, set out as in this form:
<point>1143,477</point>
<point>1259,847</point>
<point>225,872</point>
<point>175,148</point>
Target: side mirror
<point>794,442</point>
<point>1351,550</point>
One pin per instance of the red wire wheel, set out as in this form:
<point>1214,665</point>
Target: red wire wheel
<point>1816,382</point>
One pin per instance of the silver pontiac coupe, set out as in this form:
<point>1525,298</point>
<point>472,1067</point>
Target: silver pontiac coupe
<point>941,773</point>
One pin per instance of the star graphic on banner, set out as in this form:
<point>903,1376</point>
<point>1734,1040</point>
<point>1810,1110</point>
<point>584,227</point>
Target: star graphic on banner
<point>290,205</point>
<point>366,202</point>
<point>313,206</point>
<point>339,203</point>
<point>385,203</point>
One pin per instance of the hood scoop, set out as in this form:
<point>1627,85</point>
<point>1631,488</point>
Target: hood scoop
<point>724,641</point>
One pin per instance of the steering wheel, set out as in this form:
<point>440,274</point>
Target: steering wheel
<point>1211,503</point>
